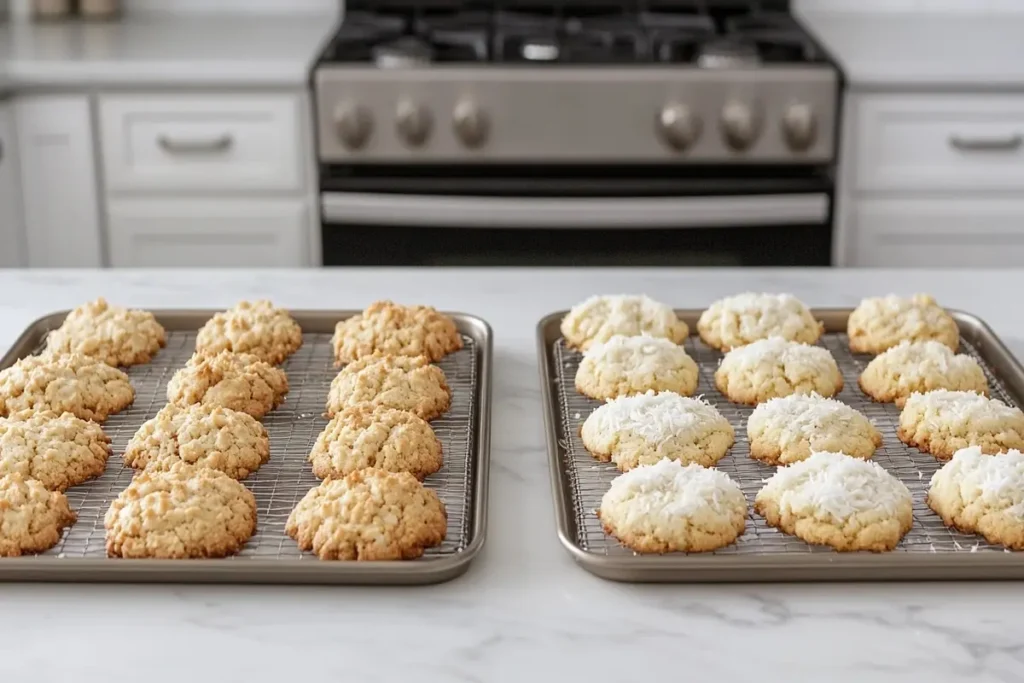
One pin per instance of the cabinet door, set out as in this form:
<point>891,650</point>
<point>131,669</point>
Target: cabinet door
<point>220,233</point>
<point>201,143</point>
<point>937,233</point>
<point>58,177</point>
<point>935,143</point>
<point>12,231</point>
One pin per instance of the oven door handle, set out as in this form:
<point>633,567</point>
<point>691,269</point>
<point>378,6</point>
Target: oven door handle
<point>544,212</point>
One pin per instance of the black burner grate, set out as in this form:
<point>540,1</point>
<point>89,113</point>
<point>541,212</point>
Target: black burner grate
<point>561,32</point>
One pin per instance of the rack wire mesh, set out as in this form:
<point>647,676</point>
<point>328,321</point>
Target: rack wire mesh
<point>293,427</point>
<point>589,479</point>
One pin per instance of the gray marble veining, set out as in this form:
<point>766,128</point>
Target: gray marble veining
<point>524,611</point>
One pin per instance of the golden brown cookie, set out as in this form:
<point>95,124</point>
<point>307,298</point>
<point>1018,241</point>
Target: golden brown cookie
<point>982,494</point>
<point>112,334</point>
<point>385,438</point>
<point>746,318</point>
<point>83,386</point>
<point>256,327</point>
<point>942,422</point>
<point>880,323</point>
<point>58,450</point>
<point>920,367</point>
<point>239,381</point>
<point>774,367</point>
<point>179,513</point>
<point>396,330</point>
<point>32,518</point>
<point>370,514</point>
<point>833,499</point>
<point>221,439</point>
<point>668,507</point>
<point>408,383</point>
<point>600,318</point>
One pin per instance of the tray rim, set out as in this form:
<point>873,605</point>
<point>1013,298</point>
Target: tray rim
<point>38,568</point>
<point>777,567</point>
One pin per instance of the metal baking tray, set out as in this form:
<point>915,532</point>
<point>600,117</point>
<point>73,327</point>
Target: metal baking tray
<point>929,551</point>
<point>271,556</point>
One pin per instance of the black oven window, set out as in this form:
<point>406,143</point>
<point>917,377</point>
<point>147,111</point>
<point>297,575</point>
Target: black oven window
<point>777,245</point>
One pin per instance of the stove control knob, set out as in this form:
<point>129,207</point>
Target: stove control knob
<point>678,126</point>
<point>739,125</point>
<point>354,124</point>
<point>413,122</point>
<point>471,123</point>
<point>799,127</point>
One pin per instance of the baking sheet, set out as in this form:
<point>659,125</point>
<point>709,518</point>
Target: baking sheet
<point>271,555</point>
<point>929,550</point>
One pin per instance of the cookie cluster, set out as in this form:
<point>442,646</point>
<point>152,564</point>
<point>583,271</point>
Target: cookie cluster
<point>826,491</point>
<point>52,406</point>
<point>379,445</point>
<point>188,499</point>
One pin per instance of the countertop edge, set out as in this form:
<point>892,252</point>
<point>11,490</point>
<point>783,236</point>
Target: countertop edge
<point>40,67</point>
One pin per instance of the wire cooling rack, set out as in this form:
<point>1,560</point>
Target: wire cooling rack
<point>589,479</point>
<point>293,428</point>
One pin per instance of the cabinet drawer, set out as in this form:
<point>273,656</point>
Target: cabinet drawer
<point>924,233</point>
<point>201,143</point>
<point>936,143</point>
<point>180,233</point>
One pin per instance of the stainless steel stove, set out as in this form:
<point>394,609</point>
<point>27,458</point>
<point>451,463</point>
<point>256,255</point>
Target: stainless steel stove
<point>591,131</point>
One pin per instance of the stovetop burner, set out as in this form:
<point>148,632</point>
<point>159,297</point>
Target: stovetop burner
<point>699,33</point>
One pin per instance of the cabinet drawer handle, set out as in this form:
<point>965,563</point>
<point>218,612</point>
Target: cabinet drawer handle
<point>218,144</point>
<point>1007,144</point>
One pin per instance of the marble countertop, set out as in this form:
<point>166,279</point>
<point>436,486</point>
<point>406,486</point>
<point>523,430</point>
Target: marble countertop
<point>163,51</point>
<point>524,611</point>
<point>880,50</point>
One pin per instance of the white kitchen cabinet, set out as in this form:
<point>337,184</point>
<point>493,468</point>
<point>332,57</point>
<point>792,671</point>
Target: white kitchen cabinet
<point>935,143</point>
<point>934,232</point>
<point>12,231</point>
<point>931,180</point>
<point>203,232</point>
<point>208,179</point>
<point>201,143</point>
<point>59,183</point>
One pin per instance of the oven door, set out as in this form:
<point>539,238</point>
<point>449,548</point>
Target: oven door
<point>558,218</point>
